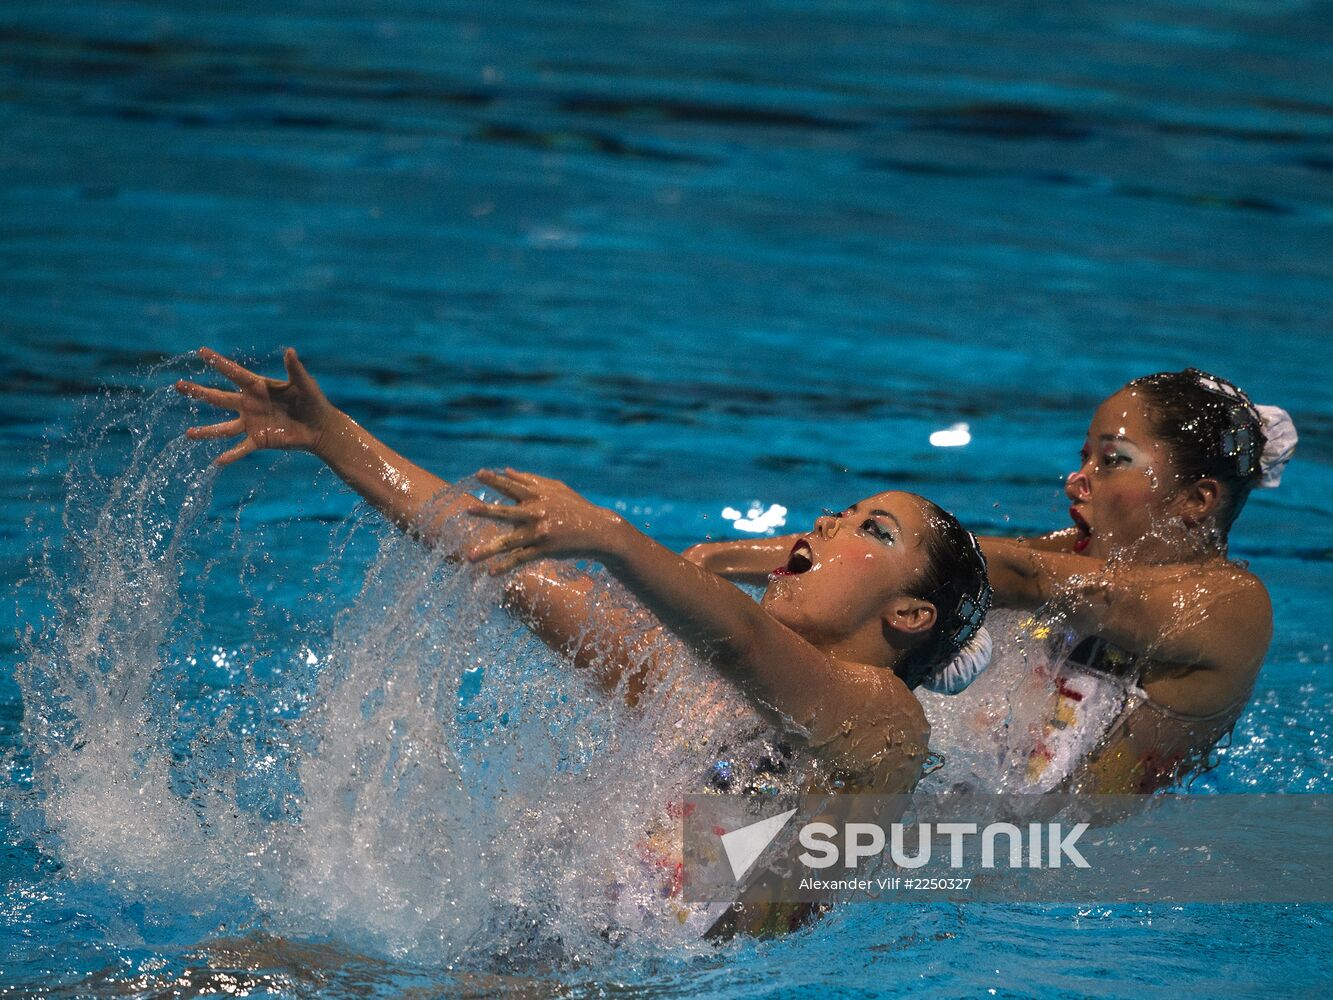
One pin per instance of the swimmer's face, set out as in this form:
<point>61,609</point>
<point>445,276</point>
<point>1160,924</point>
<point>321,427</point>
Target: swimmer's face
<point>852,571</point>
<point>1122,492</point>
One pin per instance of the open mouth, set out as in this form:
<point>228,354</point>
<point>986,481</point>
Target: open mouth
<point>801,559</point>
<point>1084,536</point>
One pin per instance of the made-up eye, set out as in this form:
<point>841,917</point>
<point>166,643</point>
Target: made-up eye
<point>876,530</point>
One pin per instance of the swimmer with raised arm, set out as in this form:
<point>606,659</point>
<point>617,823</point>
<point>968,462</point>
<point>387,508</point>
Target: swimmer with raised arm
<point>1165,634</point>
<point>873,602</point>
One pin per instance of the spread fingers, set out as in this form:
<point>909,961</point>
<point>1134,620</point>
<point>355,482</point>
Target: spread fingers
<point>228,428</point>
<point>217,397</point>
<point>507,485</point>
<point>233,454</point>
<point>225,366</point>
<point>515,558</point>
<point>502,543</point>
<point>502,512</point>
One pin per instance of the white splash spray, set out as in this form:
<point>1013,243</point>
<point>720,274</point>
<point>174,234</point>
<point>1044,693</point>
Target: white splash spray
<point>406,769</point>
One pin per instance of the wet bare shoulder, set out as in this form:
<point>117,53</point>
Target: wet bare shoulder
<point>1232,614</point>
<point>882,732</point>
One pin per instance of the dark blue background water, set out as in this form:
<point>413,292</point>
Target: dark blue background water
<point>688,256</point>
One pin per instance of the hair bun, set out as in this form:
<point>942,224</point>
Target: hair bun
<point>964,668</point>
<point>1279,443</point>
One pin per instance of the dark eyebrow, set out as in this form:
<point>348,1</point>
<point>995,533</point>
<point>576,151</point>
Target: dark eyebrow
<point>885,513</point>
<point>878,513</point>
<point>1118,437</point>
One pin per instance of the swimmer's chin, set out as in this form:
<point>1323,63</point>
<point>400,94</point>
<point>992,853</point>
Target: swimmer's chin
<point>774,597</point>
<point>777,601</point>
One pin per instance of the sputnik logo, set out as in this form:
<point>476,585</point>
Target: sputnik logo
<point>744,846</point>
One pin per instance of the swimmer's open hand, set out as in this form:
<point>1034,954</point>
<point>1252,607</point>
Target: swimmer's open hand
<point>549,519</point>
<point>270,413</point>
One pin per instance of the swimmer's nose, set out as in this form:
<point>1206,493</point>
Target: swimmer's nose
<point>1077,485</point>
<point>826,526</point>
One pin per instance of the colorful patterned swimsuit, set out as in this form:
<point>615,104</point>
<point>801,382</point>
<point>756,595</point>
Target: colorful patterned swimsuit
<point>1098,699</point>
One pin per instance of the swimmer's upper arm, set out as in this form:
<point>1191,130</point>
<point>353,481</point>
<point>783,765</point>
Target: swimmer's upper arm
<point>1015,575</point>
<point>779,671</point>
<point>1216,619</point>
<point>622,646</point>
<point>852,713</point>
<point>618,647</point>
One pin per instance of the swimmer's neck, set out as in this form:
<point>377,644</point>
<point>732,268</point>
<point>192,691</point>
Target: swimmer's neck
<point>867,647</point>
<point>1197,545</point>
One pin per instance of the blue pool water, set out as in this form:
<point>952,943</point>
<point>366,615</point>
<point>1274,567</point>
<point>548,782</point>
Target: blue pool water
<point>686,257</point>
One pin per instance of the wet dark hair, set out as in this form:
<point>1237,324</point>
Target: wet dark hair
<point>955,581</point>
<point>1211,430</point>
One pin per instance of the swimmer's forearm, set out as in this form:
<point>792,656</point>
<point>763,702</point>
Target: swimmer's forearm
<point>1014,571</point>
<point>1014,568</point>
<point>415,500</point>
<point>774,666</point>
<point>749,560</point>
<point>695,604</point>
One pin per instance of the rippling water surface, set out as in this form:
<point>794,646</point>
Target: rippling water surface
<point>687,257</point>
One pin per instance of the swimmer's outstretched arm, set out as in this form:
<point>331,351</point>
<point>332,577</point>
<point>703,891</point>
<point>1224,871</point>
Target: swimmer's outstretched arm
<point>1052,541</point>
<point>1010,567</point>
<point>750,560</point>
<point>779,670</point>
<point>295,415</point>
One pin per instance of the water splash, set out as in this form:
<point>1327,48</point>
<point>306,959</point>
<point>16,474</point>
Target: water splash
<point>356,745</point>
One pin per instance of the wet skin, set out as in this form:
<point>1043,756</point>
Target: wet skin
<point>1143,567</point>
<point>838,685</point>
<point>860,562</point>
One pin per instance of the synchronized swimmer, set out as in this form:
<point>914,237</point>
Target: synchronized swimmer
<point>1165,633</point>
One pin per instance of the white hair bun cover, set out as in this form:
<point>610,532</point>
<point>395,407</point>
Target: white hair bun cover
<point>1279,443</point>
<point>964,668</point>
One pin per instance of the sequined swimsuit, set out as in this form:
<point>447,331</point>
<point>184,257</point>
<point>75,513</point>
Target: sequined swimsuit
<point>758,762</point>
